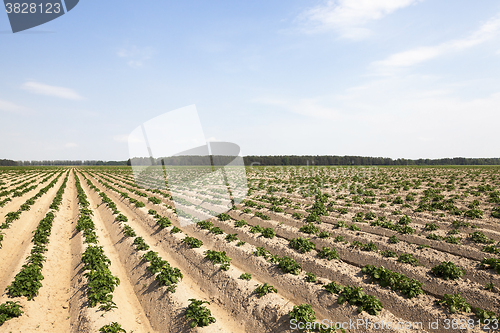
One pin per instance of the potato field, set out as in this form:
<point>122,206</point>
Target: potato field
<point>309,249</point>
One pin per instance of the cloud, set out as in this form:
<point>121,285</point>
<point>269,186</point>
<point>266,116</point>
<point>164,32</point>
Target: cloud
<point>311,107</point>
<point>11,107</point>
<point>120,138</point>
<point>70,145</point>
<point>44,89</point>
<point>347,17</point>
<point>135,56</point>
<point>486,32</point>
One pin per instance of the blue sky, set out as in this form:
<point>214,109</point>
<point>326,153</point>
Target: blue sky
<point>392,78</point>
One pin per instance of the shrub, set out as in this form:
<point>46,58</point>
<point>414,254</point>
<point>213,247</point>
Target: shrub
<point>328,253</point>
<point>431,227</point>
<point>140,244</point>
<point>288,265</point>
<point>479,237</point>
<point>448,271</point>
<point>192,242</point>
<point>333,287</point>
<point>393,240</point>
<point>302,245</point>
<point>240,223</point>
<point>310,277</point>
<point>389,254</point>
<point>231,237</point>
<point>264,289</point>
<point>268,233</point>
<point>324,234</point>
<point>455,303</point>
<point>199,314</point>
<point>309,229</point>
<point>246,276</point>
<point>304,314</point>
<point>408,258</point>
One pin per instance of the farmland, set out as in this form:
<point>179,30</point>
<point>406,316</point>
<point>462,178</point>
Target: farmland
<point>87,249</point>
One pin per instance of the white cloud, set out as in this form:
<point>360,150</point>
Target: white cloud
<point>44,89</point>
<point>70,145</point>
<point>135,56</point>
<point>486,32</point>
<point>311,107</point>
<point>11,107</point>
<point>347,17</point>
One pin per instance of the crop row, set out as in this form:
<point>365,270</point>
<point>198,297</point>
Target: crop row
<point>28,281</point>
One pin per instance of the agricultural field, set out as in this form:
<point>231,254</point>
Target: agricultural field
<point>91,249</point>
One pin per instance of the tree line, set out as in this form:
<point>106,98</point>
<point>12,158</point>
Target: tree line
<point>261,160</point>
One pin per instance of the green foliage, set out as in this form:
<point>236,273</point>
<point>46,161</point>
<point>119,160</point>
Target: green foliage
<point>396,281</point>
<point>354,227</point>
<point>128,231</point>
<point>310,277</point>
<point>452,240</point>
<point>309,229</point>
<point>484,316</point>
<point>490,263</point>
<point>218,258</point>
<point>479,237</point>
<point>405,220</point>
<point>265,289</point>
<point>27,282</point>
<point>192,242</point>
<point>324,234</point>
<point>217,231</point>
<point>303,313</point>
<point>121,218</point>
<point>141,244</point>
<point>9,310</point>
<point>328,253</point>
<point>246,276</point>
<point>389,254</point>
<point>163,222</point>
<point>491,249</point>
<point>240,223</point>
<point>333,287</point>
<point>455,303</point>
<point>369,247</point>
<point>408,258</point>
<point>207,225</point>
<point>448,271</point>
<point>356,296</point>
<point>268,233</point>
<point>175,230</point>
<point>288,265</point>
<point>434,237</point>
<point>489,286</point>
<point>231,237</point>
<point>302,245</point>
<point>240,243</point>
<point>198,314</point>
<point>339,238</point>
<point>169,277</point>
<point>262,216</point>
<point>431,227</point>
<point>393,239</point>
<point>114,327</point>
<point>256,229</point>
<point>297,215</point>
<point>224,217</point>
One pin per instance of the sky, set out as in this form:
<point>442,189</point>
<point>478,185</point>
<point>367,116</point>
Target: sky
<point>391,78</point>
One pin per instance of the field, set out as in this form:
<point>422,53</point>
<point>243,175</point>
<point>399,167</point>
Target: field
<point>87,250</point>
